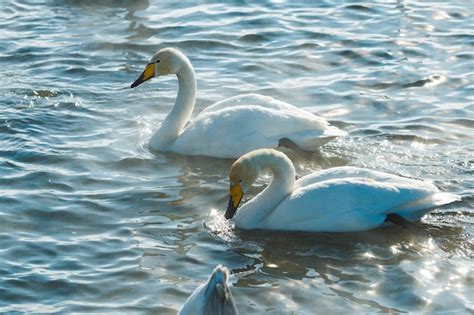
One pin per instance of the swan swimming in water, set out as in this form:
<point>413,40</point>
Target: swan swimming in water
<point>339,199</point>
<point>212,297</point>
<point>232,127</point>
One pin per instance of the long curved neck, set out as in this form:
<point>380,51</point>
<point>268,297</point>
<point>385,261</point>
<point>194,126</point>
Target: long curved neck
<point>254,212</point>
<point>181,111</point>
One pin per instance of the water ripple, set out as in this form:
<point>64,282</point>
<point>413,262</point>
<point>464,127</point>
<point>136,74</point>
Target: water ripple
<point>92,221</point>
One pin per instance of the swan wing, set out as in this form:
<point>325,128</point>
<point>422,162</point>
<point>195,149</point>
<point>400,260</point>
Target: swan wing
<point>277,105</point>
<point>352,204</point>
<point>250,99</point>
<point>232,131</point>
<point>346,172</point>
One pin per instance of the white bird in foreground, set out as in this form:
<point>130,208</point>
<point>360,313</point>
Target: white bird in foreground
<point>231,127</point>
<point>212,297</point>
<point>339,199</point>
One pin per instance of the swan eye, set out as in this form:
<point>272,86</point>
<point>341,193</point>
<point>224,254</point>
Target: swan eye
<point>157,61</point>
<point>240,180</point>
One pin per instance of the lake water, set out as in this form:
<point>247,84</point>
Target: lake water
<point>92,221</point>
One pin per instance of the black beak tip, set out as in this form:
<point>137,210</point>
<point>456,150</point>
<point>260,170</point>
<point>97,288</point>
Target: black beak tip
<point>139,81</point>
<point>134,84</point>
<point>229,214</point>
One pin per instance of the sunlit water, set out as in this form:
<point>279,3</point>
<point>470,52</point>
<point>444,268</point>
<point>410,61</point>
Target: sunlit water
<point>92,221</point>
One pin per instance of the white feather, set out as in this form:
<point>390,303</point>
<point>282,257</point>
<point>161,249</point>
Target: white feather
<point>233,126</point>
<point>339,199</point>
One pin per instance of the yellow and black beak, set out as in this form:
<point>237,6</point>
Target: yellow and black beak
<point>236,194</point>
<point>146,75</point>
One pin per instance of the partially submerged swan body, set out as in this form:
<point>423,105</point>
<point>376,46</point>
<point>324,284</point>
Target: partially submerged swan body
<point>340,199</point>
<point>212,297</point>
<point>232,127</point>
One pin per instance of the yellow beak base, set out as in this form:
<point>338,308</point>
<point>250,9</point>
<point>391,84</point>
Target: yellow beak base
<point>236,194</point>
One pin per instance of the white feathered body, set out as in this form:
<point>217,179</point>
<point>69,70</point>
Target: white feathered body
<point>345,199</point>
<point>241,124</point>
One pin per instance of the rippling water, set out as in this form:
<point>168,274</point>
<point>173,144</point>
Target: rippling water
<point>91,221</point>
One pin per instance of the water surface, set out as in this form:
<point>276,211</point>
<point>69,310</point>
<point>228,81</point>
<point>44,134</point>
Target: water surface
<point>92,221</point>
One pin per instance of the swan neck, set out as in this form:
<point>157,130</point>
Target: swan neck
<point>186,88</point>
<point>181,112</point>
<point>253,214</point>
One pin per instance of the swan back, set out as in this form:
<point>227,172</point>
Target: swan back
<point>345,199</point>
<point>234,131</point>
<point>282,108</point>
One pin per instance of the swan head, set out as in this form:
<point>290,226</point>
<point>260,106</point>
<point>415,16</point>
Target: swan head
<point>243,173</point>
<point>219,297</point>
<point>165,61</point>
<point>213,297</point>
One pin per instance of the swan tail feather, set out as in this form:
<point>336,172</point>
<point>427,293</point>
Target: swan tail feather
<point>333,131</point>
<point>414,210</point>
<point>441,198</point>
<point>310,143</point>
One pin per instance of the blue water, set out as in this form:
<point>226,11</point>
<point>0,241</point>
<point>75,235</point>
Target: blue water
<point>92,221</point>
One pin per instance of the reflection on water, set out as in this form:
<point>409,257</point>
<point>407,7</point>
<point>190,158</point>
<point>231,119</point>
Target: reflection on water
<point>92,221</point>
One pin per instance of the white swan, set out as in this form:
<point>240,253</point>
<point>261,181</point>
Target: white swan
<point>340,199</point>
<point>233,126</point>
<point>212,297</point>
